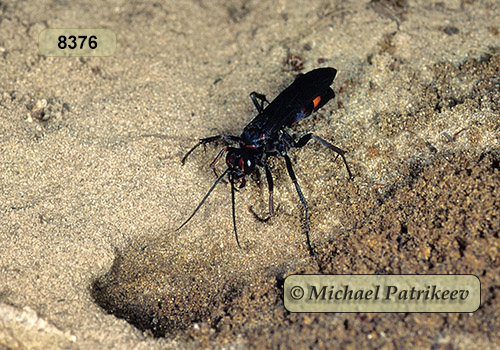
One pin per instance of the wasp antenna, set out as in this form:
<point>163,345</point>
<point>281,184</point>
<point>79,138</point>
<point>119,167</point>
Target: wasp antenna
<point>234,212</point>
<point>204,199</point>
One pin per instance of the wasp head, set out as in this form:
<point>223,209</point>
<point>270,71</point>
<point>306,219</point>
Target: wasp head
<point>241,163</point>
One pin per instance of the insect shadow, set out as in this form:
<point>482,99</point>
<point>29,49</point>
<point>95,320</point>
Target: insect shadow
<point>265,136</point>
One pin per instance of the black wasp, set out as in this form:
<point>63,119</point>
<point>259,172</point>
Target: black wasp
<point>265,136</point>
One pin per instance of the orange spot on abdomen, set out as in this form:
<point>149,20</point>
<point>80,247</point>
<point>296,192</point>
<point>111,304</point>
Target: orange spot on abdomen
<point>316,101</point>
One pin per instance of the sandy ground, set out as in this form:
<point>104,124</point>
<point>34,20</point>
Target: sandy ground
<point>92,187</point>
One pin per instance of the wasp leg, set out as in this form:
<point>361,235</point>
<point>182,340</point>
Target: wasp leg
<point>264,220</point>
<point>270,186</point>
<point>302,199</point>
<point>254,96</point>
<point>217,160</point>
<point>305,139</point>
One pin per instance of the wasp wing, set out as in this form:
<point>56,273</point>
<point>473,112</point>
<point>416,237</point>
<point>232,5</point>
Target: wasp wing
<point>306,94</point>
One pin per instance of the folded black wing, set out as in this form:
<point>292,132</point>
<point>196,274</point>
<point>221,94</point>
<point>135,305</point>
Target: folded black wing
<point>307,93</point>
